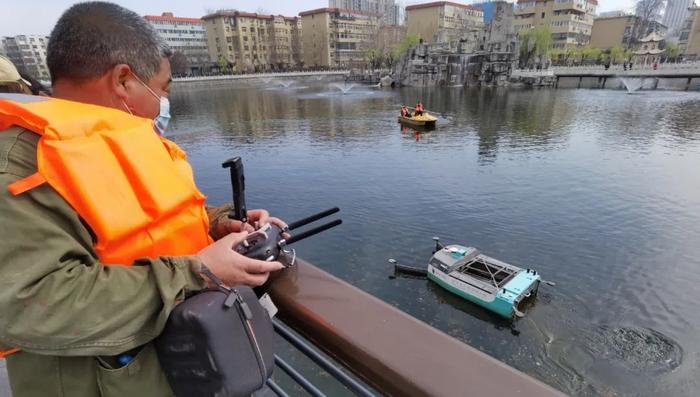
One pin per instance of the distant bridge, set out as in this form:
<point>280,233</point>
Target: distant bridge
<point>263,76</point>
<point>687,69</point>
<point>675,76</point>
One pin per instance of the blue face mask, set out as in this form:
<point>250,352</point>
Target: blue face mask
<point>163,118</point>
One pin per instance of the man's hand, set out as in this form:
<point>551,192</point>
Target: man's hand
<point>233,268</point>
<point>221,225</point>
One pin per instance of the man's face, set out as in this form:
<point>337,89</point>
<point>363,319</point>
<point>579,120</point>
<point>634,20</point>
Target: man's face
<point>141,101</point>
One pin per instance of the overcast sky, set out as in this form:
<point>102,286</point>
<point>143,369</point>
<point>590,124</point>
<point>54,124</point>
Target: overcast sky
<point>38,16</point>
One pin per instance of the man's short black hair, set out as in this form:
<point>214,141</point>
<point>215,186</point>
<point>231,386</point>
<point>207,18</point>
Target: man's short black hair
<point>91,37</point>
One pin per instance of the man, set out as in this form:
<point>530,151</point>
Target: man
<point>103,229</point>
<point>10,79</point>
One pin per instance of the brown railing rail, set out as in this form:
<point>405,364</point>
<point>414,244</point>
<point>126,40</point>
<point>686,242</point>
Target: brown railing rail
<point>394,353</point>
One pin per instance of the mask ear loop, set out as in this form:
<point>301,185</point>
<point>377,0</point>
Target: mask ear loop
<point>127,108</point>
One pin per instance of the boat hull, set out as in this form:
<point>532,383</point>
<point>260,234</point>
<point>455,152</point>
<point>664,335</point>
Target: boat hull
<point>497,305</point>
<point>427,124</point>
<point>494,285</point>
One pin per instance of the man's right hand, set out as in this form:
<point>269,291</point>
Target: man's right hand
<point>233,268</point>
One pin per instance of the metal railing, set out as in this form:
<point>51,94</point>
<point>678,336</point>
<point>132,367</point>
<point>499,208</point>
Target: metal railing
<point>662,69</point>
<point>312,353</point>
<point>389,351</point>
<point>533,73</point>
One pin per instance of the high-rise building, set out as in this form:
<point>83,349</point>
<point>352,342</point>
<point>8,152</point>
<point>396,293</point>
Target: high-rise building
<point>254,42</point>
<point>388,10</point>
<point>570,21</point>
<point>622,31</point>
<point>335,37</point>
<point>689,40</point>
<point>184,35</point>
<point>676,13</point>
<point>28,53</point>
<point>443,21</point>
<point>613,13</point>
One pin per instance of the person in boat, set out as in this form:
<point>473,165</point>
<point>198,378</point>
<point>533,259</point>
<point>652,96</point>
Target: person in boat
<point>405,112</point>
<point>419,109</point>
<point>104,230</point>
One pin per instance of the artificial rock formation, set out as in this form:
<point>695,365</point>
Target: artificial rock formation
<point>484,56</point>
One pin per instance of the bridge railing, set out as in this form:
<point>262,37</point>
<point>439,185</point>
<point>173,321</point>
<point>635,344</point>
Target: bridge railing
<point>661,69</point>
<point>532,73</point>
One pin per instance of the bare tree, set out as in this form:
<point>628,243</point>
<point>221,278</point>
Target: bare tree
<point>648,12</point>
<point>179,64</point>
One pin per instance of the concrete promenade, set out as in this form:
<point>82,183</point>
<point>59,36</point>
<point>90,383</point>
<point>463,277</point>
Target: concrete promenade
<point>4,384</point>
<point>262,76</point>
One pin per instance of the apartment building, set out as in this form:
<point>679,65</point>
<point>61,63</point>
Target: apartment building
<point>254,42</point>
<point>185,35</point>
<point>622,31</point>
<point>570,21</point>
<point>28,53</point>
<point>443,21</point>
<point>389,12</point>
<point>334,37</point>
<point>689,41</point>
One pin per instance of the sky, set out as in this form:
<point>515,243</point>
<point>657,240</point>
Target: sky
<point>39,16</point>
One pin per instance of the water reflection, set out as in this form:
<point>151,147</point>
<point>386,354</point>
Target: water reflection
<point>595,189</point>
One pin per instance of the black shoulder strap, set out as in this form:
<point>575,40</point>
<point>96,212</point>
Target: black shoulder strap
<point>211,276</point>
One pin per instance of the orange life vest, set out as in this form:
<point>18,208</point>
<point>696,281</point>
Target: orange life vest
<point>133,188</point>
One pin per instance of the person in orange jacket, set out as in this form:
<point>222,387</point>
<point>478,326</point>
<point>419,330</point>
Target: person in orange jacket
<point>419,109</point>
<point>104,230</point>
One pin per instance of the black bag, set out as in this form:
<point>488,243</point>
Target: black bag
<point>217,343</point>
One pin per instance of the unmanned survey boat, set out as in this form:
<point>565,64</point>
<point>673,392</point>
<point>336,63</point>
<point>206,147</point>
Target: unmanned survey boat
<point>497,286</point>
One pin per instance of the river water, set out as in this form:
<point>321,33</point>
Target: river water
<point>596,189</point>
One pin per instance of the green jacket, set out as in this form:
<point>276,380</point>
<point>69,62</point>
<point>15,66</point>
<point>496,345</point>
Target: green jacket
<point>68,313</point>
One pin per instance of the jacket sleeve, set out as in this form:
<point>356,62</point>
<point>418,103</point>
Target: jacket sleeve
<point>56,298</point>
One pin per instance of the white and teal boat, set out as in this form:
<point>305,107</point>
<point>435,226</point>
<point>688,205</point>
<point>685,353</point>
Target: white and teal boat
<point>497,286</point>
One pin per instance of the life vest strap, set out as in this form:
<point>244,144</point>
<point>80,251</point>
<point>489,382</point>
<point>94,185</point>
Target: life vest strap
<point>25,184</point>
<point>6,353</point>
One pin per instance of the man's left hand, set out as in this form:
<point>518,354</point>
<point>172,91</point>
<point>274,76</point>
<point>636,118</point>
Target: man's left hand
<point>221,225</point>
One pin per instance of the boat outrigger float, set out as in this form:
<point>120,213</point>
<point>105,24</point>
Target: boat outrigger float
<point>494,285</point>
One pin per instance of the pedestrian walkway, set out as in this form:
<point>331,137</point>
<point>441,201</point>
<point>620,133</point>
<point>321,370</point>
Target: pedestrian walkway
<point>4,383</point>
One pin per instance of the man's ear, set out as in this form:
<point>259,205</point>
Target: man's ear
<point>119,78</point>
